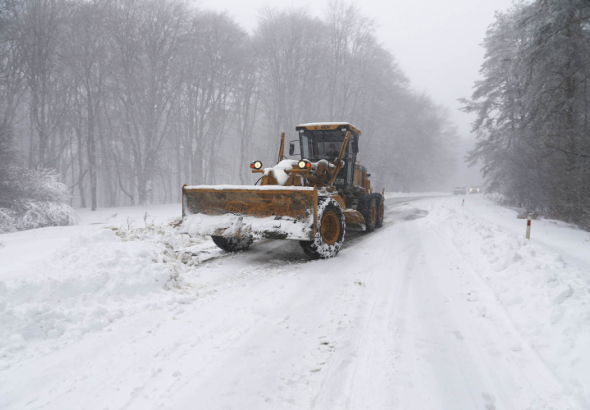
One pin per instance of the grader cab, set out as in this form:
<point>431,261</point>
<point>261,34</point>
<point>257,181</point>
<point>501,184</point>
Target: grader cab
<point>311,200</point>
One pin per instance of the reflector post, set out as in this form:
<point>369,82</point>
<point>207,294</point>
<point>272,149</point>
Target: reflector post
<point>528,227</point>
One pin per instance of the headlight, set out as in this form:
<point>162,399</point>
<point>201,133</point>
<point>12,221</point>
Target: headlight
<point>304,164</point>
<point>256,165</point>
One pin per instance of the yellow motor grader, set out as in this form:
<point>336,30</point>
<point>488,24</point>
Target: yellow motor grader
<point>311,200</point>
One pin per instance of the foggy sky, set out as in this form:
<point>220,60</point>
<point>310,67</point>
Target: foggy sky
<point>436,43</point>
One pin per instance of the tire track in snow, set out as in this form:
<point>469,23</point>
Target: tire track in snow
<point>366,346</point>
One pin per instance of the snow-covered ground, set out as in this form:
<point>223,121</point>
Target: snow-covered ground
<point>445,307</point>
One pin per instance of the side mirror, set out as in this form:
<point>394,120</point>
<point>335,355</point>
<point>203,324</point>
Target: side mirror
<point>291,148</point>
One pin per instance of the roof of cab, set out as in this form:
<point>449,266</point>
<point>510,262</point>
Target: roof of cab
<point>314,126</point>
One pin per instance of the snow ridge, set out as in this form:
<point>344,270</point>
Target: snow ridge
<point>102,276</point>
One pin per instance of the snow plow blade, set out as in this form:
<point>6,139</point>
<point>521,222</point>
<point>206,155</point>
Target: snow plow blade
<point>269,211</point>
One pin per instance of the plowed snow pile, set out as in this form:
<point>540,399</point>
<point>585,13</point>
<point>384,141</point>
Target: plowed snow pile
<point>98,278</point>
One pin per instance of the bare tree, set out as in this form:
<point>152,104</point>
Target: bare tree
<point>147,41</point>
<point>215,55</point>
<point>39,23</point>
<point>86,56</point>
<point>290,48</point>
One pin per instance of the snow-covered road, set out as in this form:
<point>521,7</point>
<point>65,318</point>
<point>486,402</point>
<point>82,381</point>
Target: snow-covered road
<point>404,318</point>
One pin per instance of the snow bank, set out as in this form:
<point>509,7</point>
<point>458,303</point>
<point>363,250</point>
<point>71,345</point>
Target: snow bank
<point>545,295</point>
<point>100,277</point>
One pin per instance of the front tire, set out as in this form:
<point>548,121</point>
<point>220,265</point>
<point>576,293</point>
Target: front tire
<point>329,233</point>
<point>231,244</point>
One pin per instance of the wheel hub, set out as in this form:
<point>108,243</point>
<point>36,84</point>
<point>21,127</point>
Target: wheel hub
<point>330,228</point>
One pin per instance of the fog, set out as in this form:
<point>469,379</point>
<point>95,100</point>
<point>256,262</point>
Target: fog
<point>438,45</point>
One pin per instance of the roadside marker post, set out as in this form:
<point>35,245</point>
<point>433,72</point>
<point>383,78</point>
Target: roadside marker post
<point>463,203</point>
<point>528,227</point>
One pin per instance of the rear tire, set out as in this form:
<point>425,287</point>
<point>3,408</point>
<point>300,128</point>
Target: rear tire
<point>231,244</point>
<point>329,233</point>
<point>368,209</point>
<point>380,203</point>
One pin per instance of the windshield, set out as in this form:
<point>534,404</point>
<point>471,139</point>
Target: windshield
<point>324,144</point>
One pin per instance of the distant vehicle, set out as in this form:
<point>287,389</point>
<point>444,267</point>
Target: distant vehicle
<point>460,190</point>
<point>475,190</point>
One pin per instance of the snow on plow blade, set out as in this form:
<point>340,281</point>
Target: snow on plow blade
<point>269,211</point>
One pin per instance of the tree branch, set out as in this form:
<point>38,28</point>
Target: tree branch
<point>567,151</point>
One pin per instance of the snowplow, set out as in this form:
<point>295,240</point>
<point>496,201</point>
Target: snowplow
<point>311,200</point>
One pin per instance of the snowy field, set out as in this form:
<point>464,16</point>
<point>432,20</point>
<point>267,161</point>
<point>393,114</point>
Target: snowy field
<point>445,307</point>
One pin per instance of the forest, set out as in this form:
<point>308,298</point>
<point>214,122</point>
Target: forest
<point>124,101</point>
<point>533,108</point>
